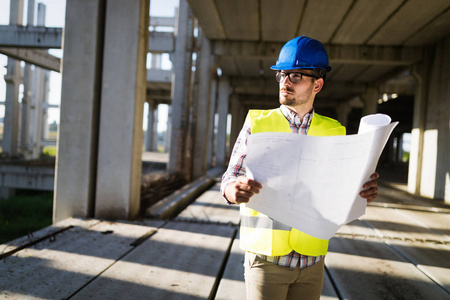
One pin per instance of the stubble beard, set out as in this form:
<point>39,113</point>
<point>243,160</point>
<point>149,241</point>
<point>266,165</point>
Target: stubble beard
<point>294,100</point>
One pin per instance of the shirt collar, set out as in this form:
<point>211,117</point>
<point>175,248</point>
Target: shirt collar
<point>294,118</point>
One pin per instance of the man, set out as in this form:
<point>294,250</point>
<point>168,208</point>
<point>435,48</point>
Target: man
<point>282,262</point>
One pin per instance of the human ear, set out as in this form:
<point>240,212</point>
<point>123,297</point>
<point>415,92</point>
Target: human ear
<point>318,84</point>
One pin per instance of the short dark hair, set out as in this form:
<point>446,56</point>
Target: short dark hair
<point>320,73</point>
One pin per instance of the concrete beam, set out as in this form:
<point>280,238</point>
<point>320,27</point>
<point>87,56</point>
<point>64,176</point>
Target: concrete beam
<point>385,55</point>
<point>380,55</point>
<point>154,75</point>
<point>14,36</point>
<point>40,58</point>
<point>257,50</point>
<point>162,21</point>
<point>27,177</point>
<point>30,36</point>
<point>270,86</point>
<point>161,42</point>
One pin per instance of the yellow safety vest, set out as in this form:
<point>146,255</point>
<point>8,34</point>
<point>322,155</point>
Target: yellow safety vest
<point>263,235</point>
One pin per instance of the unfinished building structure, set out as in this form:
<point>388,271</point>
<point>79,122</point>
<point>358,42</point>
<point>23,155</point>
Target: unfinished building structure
<point>397,55</point>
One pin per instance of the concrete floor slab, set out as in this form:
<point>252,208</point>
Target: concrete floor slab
<point>181,261</point>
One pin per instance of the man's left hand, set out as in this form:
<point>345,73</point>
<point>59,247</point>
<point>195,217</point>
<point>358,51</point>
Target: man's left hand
<point>370,191</point>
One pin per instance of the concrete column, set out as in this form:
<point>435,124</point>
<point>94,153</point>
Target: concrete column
<point>156,61</point>
<point>180,90</point>
<point>13,80</point>
<point>238,114</point>
<point>370,100</point>
<point>150,127</point>
<point>202,128</point>
<point>45,105</point>
<point>168,129</point>
<point>76,160</point>
<point>222,110</point>
<point>27,94</point>
<point>155,128</point>
<point>38,112</point>
<point>421,72</point>
<point>435,176</point>
<point>212,113</point>
<point>343,110</point>
<point>123,95</point>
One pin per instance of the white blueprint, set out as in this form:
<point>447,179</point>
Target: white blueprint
<point>313,183</point>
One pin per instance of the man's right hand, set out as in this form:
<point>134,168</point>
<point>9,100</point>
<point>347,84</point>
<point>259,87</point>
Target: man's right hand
<point>241,190</point>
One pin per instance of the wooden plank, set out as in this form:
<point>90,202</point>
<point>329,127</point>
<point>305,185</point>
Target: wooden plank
<point>55,269</point>
<point>181,261</point>
<point>232,284</point>
<point>211,207</point>
<point>367,269</point>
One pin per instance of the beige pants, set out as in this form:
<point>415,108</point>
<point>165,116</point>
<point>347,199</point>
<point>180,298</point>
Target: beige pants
<point>264,280</point>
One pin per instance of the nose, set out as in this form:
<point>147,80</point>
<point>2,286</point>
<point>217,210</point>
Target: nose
<point>285,81</point>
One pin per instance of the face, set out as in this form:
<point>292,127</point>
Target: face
<point>298,94</point>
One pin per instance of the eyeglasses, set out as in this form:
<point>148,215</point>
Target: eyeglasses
<point>294,77</point>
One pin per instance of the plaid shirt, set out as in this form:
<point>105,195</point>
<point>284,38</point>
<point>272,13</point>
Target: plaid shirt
<point>236,168</point>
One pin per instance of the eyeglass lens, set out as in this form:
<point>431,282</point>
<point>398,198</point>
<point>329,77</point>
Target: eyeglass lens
<point>294,77</point>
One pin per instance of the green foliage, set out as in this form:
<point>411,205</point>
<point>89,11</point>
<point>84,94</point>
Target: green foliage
<point>49,151</point>
<point>24,213</point>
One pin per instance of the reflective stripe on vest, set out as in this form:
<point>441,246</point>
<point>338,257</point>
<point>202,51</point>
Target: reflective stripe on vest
<point>263,235</point>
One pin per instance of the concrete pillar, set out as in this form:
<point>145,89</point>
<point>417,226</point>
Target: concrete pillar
<point>370,100</point>
<point>13,80</point>
<point>156,61</point>
<point>123,95</point>
<point>238,114</point>
<point>168,129</point>
<point>36,112</point>
<point>212,113</point>
<point>435,181</point>
<point>38,128</point>
<point>27,94</point>
<point>76,161</point>
<point>222,110</point>
<point>421,72</point>
<point>180,90</point>
<point>155,128</point>
<point>152,136</point>
<point>149,139</point>
<point>202,128</point>
<point>343,110</point>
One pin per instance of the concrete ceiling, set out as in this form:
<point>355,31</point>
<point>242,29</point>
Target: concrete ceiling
<point>369,42</point>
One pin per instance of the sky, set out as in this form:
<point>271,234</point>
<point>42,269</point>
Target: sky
<point>55,14</point>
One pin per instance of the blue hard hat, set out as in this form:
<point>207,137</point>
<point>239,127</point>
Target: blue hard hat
<point>303,53</point>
